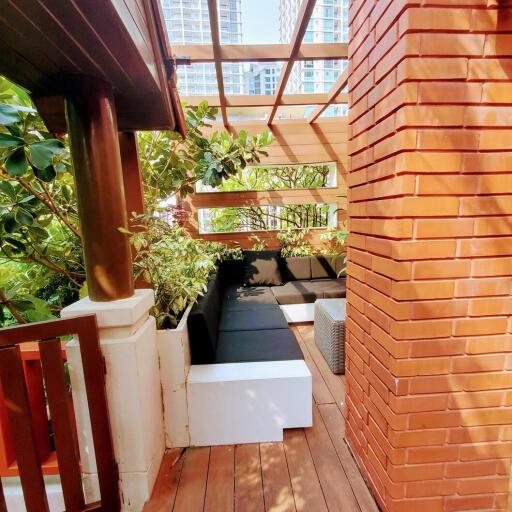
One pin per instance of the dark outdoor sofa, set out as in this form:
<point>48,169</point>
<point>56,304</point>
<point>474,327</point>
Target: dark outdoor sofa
<point>239,319</point>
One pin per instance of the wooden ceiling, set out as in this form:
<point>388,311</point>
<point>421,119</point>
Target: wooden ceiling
<point>287,53</point>
<point>42,42</point>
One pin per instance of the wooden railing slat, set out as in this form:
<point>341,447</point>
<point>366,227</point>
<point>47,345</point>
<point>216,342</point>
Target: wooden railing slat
<point>63,428</point>
<point>20,419</point>
<point>94,376</point>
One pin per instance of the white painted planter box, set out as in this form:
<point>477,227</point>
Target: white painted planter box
<point>174,355</point>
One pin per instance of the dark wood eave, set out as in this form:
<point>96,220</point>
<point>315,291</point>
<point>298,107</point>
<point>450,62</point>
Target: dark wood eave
<point>43,42</point>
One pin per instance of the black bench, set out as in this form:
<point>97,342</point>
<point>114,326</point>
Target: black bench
<point>233,323</point>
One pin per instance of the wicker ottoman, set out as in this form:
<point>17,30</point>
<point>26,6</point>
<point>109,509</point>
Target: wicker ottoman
<point>330,331</point>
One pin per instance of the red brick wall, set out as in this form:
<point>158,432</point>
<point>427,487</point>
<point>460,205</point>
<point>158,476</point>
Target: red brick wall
<point>429,343</point>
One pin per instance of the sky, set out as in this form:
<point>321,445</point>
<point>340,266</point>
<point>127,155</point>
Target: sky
<point>260,21</point>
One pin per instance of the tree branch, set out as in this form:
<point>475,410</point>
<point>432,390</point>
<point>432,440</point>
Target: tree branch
<point>9,305</point>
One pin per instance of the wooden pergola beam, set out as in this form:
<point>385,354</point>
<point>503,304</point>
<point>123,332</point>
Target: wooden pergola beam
<point>334,93</point>
<point>199,53</point>
<point>303,17</point>
<point>214,28</point>
<point>249,100</point>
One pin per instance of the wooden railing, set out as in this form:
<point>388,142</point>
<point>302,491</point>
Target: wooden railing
<point>27,435</point>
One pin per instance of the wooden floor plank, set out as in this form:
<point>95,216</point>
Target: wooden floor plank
<point>192,485</point>
<point>306,486</point>
<point>335,485</point>
<point>248,482</point>
<point>166,485</point>
<point>277,488</point>
<point>312,471</point>
<point>220,487</point>
<point>335,425</point>
<point>321,392</point>
<point>335,383</point>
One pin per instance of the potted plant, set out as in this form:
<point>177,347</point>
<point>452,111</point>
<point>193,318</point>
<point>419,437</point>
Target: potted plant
<point>178,268</point>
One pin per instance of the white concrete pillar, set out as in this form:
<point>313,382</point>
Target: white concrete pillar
<point>128,341</point>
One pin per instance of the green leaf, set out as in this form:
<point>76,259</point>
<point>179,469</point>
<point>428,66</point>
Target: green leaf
<point>8,190</point>
<point>47,174</point>
<point>8,115</point>
<point>10,224</point>
<point>24,217</point>
<point>15,243</point>
<point>42,153</point>
<point>16,163</point>
<point>8,141</point>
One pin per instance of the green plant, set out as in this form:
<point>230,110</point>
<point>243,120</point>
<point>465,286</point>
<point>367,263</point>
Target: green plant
<point>176,265</point>
<point>257,243</point>
<point>334,241</point>
<point>293,243</point>
<point>172,165</point>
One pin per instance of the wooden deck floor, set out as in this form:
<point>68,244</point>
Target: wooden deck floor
<point>311,471</point>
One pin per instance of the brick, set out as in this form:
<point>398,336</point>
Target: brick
<point>430,488</point>
<point>496,92</point>
<point>495,140</point>
<point>422,290</point>
<point>490,226</point>
<point>408,404</point>
<point>439,116</point>
<point>470,469</point>
<point>483,485</point>
<point>496,45</point>
<point>487,162</point>
<point>431,162</point>
<point>449,92</point>
<point>458,503</point>
<point>432,454</point>
<point>426,68</point>
<point>440,269</point>
<point>482,287</point>
<point>412,367</point>
<point>480,326</point>
<point>490,267</point>
<point>440,185</point>
<point>486,345</point>
<point>420,329</point>
<point>396,270</point>
<point>486,116</point>
<point>474,364</point>
<point>449,139</point>
<point>443,228</point>
<point>409,473</point>
<point>453,44</point>
<point>489,69</point>
<point>490,306</point>
<point>478,434</point>
<point>487,416</point>
<point>426,18</point>
<point>420,250</point>
<point>443,347</point>
<point>485,247</point>
<point>439,309</point>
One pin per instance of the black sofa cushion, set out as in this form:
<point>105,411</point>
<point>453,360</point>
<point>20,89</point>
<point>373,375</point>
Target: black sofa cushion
<point>305,292</point>
<point>323,267</point>
<point>203,324</point>
<point>238,298</point>
<point>262,268</point>
<point>253,320</point>
<point>254,346</point>
<point>231,271</point>
<point>296,268</point>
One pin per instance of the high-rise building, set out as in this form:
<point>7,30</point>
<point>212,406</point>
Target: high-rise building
<point>328,24</point>
<point>188,22</point>
<point>261,78</point>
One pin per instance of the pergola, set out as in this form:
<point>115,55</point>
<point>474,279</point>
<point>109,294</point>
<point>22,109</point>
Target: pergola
<point>289,54</point>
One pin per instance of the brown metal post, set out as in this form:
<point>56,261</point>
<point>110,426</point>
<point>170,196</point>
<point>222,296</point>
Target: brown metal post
<point>92,125</point>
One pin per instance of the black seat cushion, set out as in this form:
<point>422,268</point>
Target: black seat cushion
<point>239,298</point>
<point>305,292</point>
<point>254,346</point>
<point>253,319</point>
<point>323,267</point>
<point>296,268</point>
<point>262,268</point>
<point>297,292</point>
<point>203,324</point>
